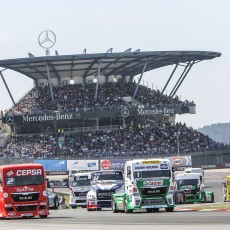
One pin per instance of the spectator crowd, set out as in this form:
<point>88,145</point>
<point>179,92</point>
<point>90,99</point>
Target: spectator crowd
<point>78,96</point>
<point>165,141</point>
<point>125,142</point>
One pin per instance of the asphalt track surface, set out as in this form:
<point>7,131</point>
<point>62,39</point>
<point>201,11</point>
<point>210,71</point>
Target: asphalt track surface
<point>106,219</point>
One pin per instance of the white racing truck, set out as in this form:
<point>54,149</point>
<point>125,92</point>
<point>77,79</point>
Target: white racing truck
<point>103,185</point>
<point>193,187</point>
<point>148,185</point>
<point>79,186</point>
<point>196,170</point>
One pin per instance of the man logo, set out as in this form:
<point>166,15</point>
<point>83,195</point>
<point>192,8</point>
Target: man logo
<point>124,112</point>
<point>10,119</point>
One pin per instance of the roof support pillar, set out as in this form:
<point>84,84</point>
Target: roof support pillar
<point>49,81</point>
<point>170,78</point>
<point>7,88</point>
<point>182,77</point>
<point>98,74</point>
<point>146,62</point>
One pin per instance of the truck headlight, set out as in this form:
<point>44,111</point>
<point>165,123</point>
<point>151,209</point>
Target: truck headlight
<point>45,193</point>
<point>5,195</point>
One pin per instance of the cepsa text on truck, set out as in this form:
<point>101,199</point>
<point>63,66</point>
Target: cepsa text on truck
<point>148,185</point>
<point>79,186</point>
<point>103,185</point>
<point>23,191</point>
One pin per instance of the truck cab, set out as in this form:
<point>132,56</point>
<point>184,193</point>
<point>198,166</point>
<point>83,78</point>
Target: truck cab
<point>193,187</point>
<point>103,185</point>
<point>79,186</point>
<point>148,185</point>
<point>196,170</point>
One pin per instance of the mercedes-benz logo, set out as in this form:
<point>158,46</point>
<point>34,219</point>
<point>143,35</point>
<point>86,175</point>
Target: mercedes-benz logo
<point>10,119</point>
<point>47,39</point>
<point>124,112</point>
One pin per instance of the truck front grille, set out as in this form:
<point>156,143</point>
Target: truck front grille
<point>105,194</point>
<point>25,208</point>
<point>153,191</point>
<point>22,197</point>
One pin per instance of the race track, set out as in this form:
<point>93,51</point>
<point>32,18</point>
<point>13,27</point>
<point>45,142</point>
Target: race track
<point>105,219</point>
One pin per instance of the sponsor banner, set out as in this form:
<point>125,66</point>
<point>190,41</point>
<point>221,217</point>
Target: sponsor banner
<point>53,173</point>
<point>213,166</point>
<point>226,165</point>
<point>42,162</point>
<point>56,165</point>
<point>180,161</point>
<point>113,164</point>
<point>210,166</point>
<point>83,164</point>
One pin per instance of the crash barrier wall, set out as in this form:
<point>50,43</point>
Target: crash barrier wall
<point>218,158</point>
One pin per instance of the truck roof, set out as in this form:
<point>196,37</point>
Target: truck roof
<point>82,174</point>
<point>188,176</point>
<point>22,166</point>
<point>148,160</point>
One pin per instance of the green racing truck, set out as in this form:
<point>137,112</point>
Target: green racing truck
<point>192,185</point>
<point>148,184</point>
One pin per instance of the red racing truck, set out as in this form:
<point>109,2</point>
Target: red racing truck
<point>23,191</point>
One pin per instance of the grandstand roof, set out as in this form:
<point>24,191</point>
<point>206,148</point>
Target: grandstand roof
<point>124,63</point>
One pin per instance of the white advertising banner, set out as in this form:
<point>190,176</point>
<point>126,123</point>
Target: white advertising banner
<point>180,161</point>
<point>83,164</point>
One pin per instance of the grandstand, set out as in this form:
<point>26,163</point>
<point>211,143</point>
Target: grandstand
<point>89,106</point>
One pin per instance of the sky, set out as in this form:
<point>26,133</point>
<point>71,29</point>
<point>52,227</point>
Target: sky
<point>148,25</point>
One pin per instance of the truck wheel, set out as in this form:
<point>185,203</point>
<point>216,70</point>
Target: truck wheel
<point>98,209</point>
<point>212,199</point>
<point>43,216</point>
<point>114,208</point>
<point>184,199</point>
<point>126,208</point>
<point>169,209</point>
<point>56,202</point>
<point>204,195</point>
<point>74,207</point>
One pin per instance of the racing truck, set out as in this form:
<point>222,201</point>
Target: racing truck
<point>148,185</point>
<point>226,189</point>
<point>103,185</point>
<point>193,187</point>
<point>79,186</point>
<point>196,170</point>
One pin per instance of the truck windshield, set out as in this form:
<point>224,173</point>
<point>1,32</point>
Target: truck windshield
<point>107,176</point>
<point>187,182</point>
<point>24,180</point>
<point>81,181</point>
<point>152,174</point>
